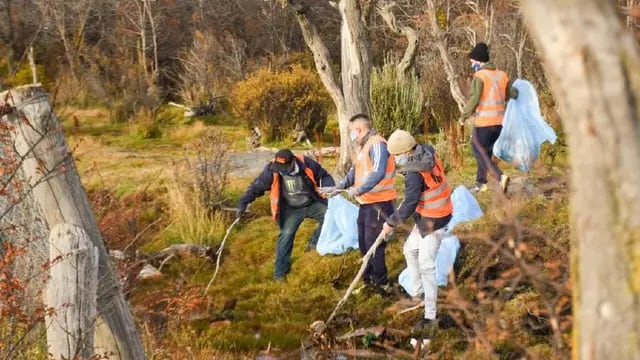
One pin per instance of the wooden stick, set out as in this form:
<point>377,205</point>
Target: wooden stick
<point>219,253</point>
<point>365,262</point>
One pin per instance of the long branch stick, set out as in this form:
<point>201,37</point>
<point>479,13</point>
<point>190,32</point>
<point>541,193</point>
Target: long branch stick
<point>219,253</point>
<point>365,262</point>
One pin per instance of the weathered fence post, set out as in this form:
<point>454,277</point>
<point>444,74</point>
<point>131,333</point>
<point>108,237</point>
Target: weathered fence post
<point>49,167</point>
<point>71,293</point>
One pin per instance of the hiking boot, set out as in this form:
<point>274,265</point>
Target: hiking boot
<point>383,290</point>
<point>480,188</point>
<point>504,183</point>
<point>425,329</point>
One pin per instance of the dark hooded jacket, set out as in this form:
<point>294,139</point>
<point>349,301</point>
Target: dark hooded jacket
<point>422,159</point>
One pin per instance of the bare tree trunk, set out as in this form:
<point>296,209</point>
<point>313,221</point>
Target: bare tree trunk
<point>32,65</point>
<point>444,55</point>
<point>38,138</point>
<point>154,38</point>
<point>386,12</point>
<point>597,81</point>
<point>142,18</point>
<point>353,96</point>
<point>71,293</point>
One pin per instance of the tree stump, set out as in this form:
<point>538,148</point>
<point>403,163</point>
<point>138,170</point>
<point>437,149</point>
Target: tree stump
<point>71,293</point>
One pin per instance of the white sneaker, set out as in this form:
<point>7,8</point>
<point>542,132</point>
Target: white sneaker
<point>504,183</point>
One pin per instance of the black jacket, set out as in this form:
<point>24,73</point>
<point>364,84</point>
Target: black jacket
<point>421,160</point>
<point>264,181</point>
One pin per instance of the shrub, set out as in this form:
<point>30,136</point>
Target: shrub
<point>276,101</point>
<point>395,103</point>
<point>196,191</point>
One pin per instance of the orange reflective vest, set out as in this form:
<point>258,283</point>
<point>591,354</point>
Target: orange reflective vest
<point>490,109</point>
<point>435,202</point>
<point>275,188</point>
<point>385,190</point>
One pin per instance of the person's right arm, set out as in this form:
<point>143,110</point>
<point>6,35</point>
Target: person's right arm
<point>258,187</point>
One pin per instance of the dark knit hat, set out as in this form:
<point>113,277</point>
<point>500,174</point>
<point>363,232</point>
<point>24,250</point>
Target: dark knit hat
<point>480,53</point>
<point>283,160</point>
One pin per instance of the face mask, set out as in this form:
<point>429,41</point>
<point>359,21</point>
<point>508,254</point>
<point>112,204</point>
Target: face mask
<point>353,135</point>
<point>475,67</point>
<point>401,160</point>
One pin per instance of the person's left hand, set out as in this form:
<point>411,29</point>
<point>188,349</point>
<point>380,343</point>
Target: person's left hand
<point>352,192</point>
<point>386,231</point>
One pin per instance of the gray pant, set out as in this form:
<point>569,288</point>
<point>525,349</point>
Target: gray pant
<point>420,254</point>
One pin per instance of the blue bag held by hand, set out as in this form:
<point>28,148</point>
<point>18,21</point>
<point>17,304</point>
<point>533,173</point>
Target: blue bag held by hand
<point>523,129</point>
<point>340,229</point>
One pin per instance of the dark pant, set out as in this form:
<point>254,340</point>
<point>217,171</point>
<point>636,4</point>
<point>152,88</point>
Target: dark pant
<point>290,220</point>
<point>482,143</point>
<point>370,220</point>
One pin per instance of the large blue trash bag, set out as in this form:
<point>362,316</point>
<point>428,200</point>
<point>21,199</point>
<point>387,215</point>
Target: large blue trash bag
<point>340,228</point>
<point>465,208</point>
<point>523,129</point>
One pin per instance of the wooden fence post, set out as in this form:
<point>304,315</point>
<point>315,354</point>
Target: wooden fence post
<point>57,189</point>
<point>71,293</point>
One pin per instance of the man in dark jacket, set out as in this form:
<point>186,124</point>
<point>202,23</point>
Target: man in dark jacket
<point>490,91</point>
<point>293,183</point>
<point>427,196</point>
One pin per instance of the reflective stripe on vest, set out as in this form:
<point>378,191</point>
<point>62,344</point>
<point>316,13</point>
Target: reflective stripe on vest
<point>490,110</point>
<point>385,190</point>
<point>274,194</point>
<point>435,202</point>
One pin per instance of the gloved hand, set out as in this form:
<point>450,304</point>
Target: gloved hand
<point>352,192</point>
<point>241,210</point>
<point>387,231</point>
<point>329,191</point>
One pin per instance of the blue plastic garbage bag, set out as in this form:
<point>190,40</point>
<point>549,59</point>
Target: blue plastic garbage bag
<point>523,129</point>
<point>465,208</point>
<point>340,228</point>
<point>444,263</point>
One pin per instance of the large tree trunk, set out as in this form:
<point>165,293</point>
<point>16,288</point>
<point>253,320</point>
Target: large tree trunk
<point>596,79</point>
<point>58,191</point>
<point>352,97</point>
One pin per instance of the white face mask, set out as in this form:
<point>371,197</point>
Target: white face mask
<point>401,160</point>
<point>353,135</point>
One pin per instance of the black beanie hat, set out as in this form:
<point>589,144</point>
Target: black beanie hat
<point>480,53</point>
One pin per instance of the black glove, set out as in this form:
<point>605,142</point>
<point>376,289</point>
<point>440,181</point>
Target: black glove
<point>241,210</point>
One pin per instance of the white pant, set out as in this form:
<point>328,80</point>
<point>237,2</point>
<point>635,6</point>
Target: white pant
<point>420,254</point>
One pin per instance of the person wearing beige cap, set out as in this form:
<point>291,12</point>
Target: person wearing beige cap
<point>427,197</point>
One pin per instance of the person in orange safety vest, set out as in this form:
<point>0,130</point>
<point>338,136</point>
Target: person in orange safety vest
<point>490,91</point>
<point>293,183</point>
<point>427,197</point>
<point>371,181</point>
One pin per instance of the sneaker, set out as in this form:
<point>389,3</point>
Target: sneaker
<point>504,183</point>
<point>279,278</point>
<point>309,248</point>
<point>425,329</point>
<point>480,188</point>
